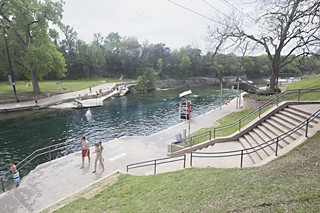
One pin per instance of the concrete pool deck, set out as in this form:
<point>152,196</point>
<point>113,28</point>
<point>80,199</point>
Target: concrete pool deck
<point>53,181</point>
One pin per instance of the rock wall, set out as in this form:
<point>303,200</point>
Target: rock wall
<point>192,82</point>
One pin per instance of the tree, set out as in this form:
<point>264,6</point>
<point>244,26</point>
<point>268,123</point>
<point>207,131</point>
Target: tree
<point>288,29</point>
<point>145,81</point>
<point>34,53</point>
<point>185,65</point>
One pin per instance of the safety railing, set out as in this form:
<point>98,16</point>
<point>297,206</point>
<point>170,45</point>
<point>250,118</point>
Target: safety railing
<point>193,139</point>
<point>287,95</point>
<point>157,162</point>
<point>256,148</point>
<point>50,153</point>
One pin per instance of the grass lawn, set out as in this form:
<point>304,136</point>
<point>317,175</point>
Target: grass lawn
<point>52,87</point>
<point>288,184</point>
<point>312,82</point>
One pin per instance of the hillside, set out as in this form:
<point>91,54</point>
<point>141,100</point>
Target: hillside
<point>290,183</point>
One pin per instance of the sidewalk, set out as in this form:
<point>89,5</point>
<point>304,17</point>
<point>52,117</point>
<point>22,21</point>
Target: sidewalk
<point>53,181</point>
<point>49,101</point>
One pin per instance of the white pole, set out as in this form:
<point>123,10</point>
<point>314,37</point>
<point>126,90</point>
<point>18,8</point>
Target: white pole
<point>238,97</point>
<point>221,95</point>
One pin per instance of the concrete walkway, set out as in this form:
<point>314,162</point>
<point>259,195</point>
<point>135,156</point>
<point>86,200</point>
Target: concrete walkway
<point>53,181</point>
<point>53,100</point>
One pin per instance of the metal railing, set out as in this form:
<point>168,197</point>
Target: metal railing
<point>258,147</point>
<point>52,152</point>
<point>274,101</point>
<point>190,141</point>
<point>156,162</point>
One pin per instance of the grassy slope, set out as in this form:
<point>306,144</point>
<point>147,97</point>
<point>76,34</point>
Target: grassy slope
<point>310,83</point>
<point>290,183</point>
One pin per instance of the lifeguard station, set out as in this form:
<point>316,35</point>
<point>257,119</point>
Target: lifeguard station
<point>184,106</point>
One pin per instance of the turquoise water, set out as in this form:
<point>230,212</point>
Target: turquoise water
<point>135,114</point>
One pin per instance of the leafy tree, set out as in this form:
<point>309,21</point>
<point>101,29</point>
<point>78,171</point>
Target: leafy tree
<point>159,65</point>
<point>185,65</point>
<point>145,81</point>
<point>35,54</point>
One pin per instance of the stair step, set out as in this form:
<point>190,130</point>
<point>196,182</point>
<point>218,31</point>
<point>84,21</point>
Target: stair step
<point>263,152</point>
<point>292,121</point>
<point>289,119</point>
<point>267,128</point>
<point>291,115</point>
<point>297,112</point>
<point>253,156</point>
<point>252,143</point>
<point>284,124</point>
<point>207,149</point>
<point>268,149</point>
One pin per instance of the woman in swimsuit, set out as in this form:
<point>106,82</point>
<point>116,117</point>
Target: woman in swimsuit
<point>98,152</point>
<point>101,147</point>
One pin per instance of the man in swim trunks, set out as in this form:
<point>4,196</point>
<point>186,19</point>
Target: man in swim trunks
<point>85,150</point>
<point>15,174</point>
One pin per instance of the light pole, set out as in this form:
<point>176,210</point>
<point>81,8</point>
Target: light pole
<point>11,77</point>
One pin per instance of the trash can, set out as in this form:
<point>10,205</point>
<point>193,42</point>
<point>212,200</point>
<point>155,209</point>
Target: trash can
<point>178,137</point>
<point>184,134</point>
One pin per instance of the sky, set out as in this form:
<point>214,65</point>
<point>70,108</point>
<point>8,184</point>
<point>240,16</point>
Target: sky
<point>155,21</point>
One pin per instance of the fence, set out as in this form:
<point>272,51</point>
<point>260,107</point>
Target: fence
<point>256,148</point>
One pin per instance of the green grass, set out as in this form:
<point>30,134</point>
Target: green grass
<point>25,92</point>
<point>313,82</point>
<point>288,184</point>
<point>228,119</point>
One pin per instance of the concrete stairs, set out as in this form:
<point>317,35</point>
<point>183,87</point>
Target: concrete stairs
<point>281,122</point>
<point>254,141</point>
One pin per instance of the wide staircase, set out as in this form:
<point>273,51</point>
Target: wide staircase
<point>275,133</point>
<point>255,142</point>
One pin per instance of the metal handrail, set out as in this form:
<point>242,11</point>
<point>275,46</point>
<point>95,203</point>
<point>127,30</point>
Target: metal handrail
<point>192,138</point>
<point>156,162</point>
<point>247,151</point>
<point>263,106</point>
<point>37,153</point>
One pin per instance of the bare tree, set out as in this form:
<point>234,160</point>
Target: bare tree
<point>291,30</point>
<point>221,38</point>
<point>285,29</point>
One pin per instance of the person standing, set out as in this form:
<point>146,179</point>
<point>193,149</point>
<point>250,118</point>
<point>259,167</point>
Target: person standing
<point>85,150</point>
<point>15,174</point>
<point>98,152</point>
<point>101,147</point>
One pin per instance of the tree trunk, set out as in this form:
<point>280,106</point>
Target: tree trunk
<point>275,72</point>
<point>35,84</point>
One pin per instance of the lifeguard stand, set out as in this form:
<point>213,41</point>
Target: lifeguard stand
<point>184,106</point>
<point>184,109</point>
